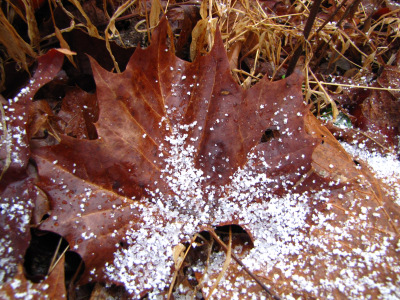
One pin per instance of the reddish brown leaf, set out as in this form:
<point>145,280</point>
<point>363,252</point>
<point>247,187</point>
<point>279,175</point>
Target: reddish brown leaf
<point>375,113</point>
<point>174,132</point>
<point>16,205</point>
<point>14,149</point>
<point>56,281</point>
<point>52,287</point>
<point>180,146</point>
<point>17,194</point>
<point>79,111</point>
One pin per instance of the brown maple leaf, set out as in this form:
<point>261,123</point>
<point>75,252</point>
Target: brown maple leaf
<point>176,141</point>
<point>181,146</point>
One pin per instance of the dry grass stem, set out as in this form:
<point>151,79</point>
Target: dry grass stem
<point>111,30</point>
<point>326,97</point>
<point>91,28</point>
<point>33,30</point>
<point>179,260</point>
<point>356,86</point>
<point>226,249</point>
<point>224,267</point>
<point>15,45</point>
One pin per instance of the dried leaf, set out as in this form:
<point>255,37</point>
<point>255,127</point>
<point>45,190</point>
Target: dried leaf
<point>155,11</point>
<point>79,111</point>
<point>155,116</point>
<point>181,146</point>
<point>17,192</point>
<point>33,30</point>
<point>202,37</point>
<point>16,204</point>
<point>52,287</point>
<point>14,145</point>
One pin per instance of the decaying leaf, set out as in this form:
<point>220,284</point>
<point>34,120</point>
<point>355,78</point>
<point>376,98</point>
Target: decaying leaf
<point>181,146</point>
<point>16,205</point>
<point>14,146</point>
<point>78,112</point>
<point>52,287</point>
<point>374,111</point>
<point>17,190</point>
<point>176,139</point>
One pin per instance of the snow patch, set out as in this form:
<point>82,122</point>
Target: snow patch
<point>385,167</point>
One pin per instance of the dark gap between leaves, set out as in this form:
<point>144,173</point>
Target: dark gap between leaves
<point>40,253</point>
<point>269,134</point>
<point>200,253</point>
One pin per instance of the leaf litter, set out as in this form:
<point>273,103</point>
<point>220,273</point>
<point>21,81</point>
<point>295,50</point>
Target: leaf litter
<point>165,169</point>
<point>338,218</point>
<point>18,192</point>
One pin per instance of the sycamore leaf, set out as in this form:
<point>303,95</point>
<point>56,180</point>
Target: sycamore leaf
<point>181,146</point>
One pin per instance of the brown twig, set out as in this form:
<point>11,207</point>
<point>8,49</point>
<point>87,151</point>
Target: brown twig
<point>237,259</point>
<point>306,33</point>
<point>330,17</point>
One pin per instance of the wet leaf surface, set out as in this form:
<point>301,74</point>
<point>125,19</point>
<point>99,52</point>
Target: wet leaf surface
<point>168,141</point>
<point>181,146</point>
<point>52,287</point>
<point>14,146</point>
<point>17,203</point>
<point>17,190</point>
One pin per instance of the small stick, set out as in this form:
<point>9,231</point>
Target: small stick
<point>237,259</point>
<point>306,33</point>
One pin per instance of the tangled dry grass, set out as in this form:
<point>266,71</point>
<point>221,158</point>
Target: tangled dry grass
<point>350,39</point>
